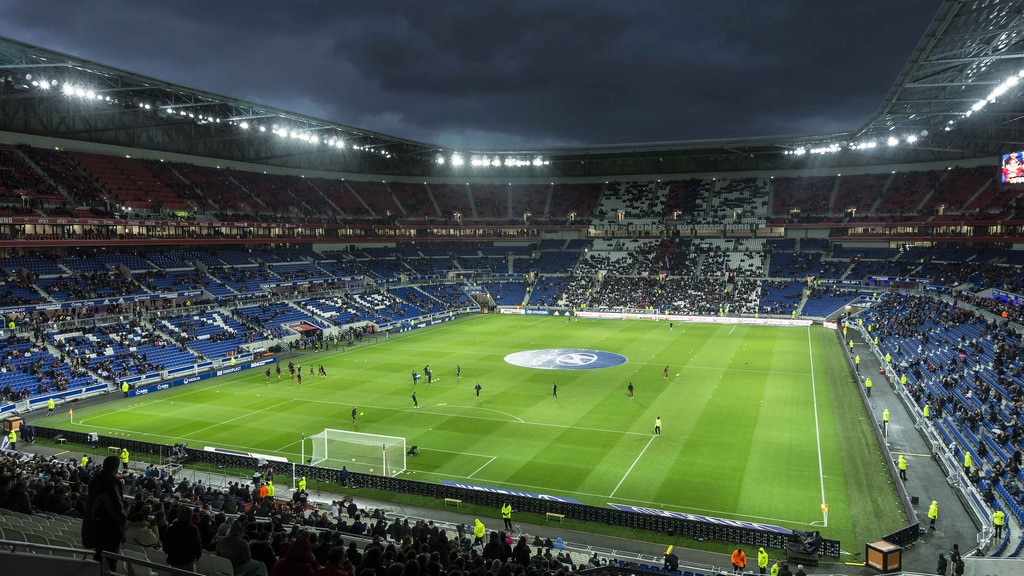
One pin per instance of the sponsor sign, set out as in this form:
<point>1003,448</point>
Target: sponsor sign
<point>198,377</point>
<point>511,492</point>
<point>701,518</point>
<point>694,319</point>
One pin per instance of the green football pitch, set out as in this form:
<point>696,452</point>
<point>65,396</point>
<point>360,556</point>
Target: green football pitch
<point>761,424</point>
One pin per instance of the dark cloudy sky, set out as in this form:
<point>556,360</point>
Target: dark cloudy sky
<point>480,74</point>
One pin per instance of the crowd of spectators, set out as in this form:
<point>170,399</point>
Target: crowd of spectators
<point>976,380</point>
<point>275,535</point>
<point>85,286</point>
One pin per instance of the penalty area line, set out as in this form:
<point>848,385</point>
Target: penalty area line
<point>631,466</point>
<point>493,458</point>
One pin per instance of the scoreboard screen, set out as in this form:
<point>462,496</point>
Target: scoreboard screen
<point>1012,168</point>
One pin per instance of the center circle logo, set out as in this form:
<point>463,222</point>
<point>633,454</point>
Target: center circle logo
<point>565,359</point>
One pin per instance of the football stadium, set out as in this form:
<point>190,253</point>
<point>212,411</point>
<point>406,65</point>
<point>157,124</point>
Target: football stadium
<point>237,338</point>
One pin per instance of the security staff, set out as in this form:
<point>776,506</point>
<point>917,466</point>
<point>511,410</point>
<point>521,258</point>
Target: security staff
<point>506,515</point>
<point>124,458</point>
<point>762,560</point>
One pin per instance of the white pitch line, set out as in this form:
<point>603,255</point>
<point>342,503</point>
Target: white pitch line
<point>493,458</point>
<point>246,415</point>
<point>460,453</point>
<point>817,429</point>
<point>659,505</point>
<point>731,329</point>
<point>631,466</point>
<point>190,439</point>
<point>517,418</point>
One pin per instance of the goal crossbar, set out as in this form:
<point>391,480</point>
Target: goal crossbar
<point>359,452</point>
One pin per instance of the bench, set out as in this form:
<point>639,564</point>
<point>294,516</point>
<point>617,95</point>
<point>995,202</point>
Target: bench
<point>60,440</point>
<point>455,501</point>
<point>554,516</point>
<point>113,449</point>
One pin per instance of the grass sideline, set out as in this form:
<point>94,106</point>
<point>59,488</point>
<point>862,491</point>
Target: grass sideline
<point>759,422</point>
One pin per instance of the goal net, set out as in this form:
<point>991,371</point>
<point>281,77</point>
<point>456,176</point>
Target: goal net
<point>359,452</point>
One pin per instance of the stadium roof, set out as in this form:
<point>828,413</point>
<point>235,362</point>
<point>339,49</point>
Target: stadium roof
<point>958,97</point>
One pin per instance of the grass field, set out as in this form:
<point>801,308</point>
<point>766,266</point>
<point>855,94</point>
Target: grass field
<point>759,423</point>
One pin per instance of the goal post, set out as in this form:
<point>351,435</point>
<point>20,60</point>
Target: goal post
<point>359,452</point>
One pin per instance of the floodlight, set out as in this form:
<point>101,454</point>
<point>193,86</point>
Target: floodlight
<point>457,160</point>
<point>440,159</point>
<point>892,141</point>
<point>244,125</point>
<point>911,139</point>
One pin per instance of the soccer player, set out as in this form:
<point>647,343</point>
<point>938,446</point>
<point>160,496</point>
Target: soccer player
<point>657,426</point>
<point>354,412</point>
<point>458,371</point>
<point>477,388</point>
<point>278,370</point>
<point>554,390</point>
<point>268,375</point>
<point>664,373</point>
<point>415,404</point>
<point>323,373</point>
<point>300,378</point>
<point>630,390</point>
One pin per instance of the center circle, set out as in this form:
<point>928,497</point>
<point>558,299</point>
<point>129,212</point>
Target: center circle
<point>565,359</point>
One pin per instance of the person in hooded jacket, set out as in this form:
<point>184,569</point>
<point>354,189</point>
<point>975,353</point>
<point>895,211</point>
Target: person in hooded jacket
<point>478,532</point>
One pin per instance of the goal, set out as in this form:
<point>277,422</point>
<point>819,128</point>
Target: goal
<point>359,452</point>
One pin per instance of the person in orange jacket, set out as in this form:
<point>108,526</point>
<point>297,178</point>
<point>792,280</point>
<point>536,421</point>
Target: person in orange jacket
<point>739,560</point>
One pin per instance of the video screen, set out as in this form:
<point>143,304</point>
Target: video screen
<point>1012,168</point>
